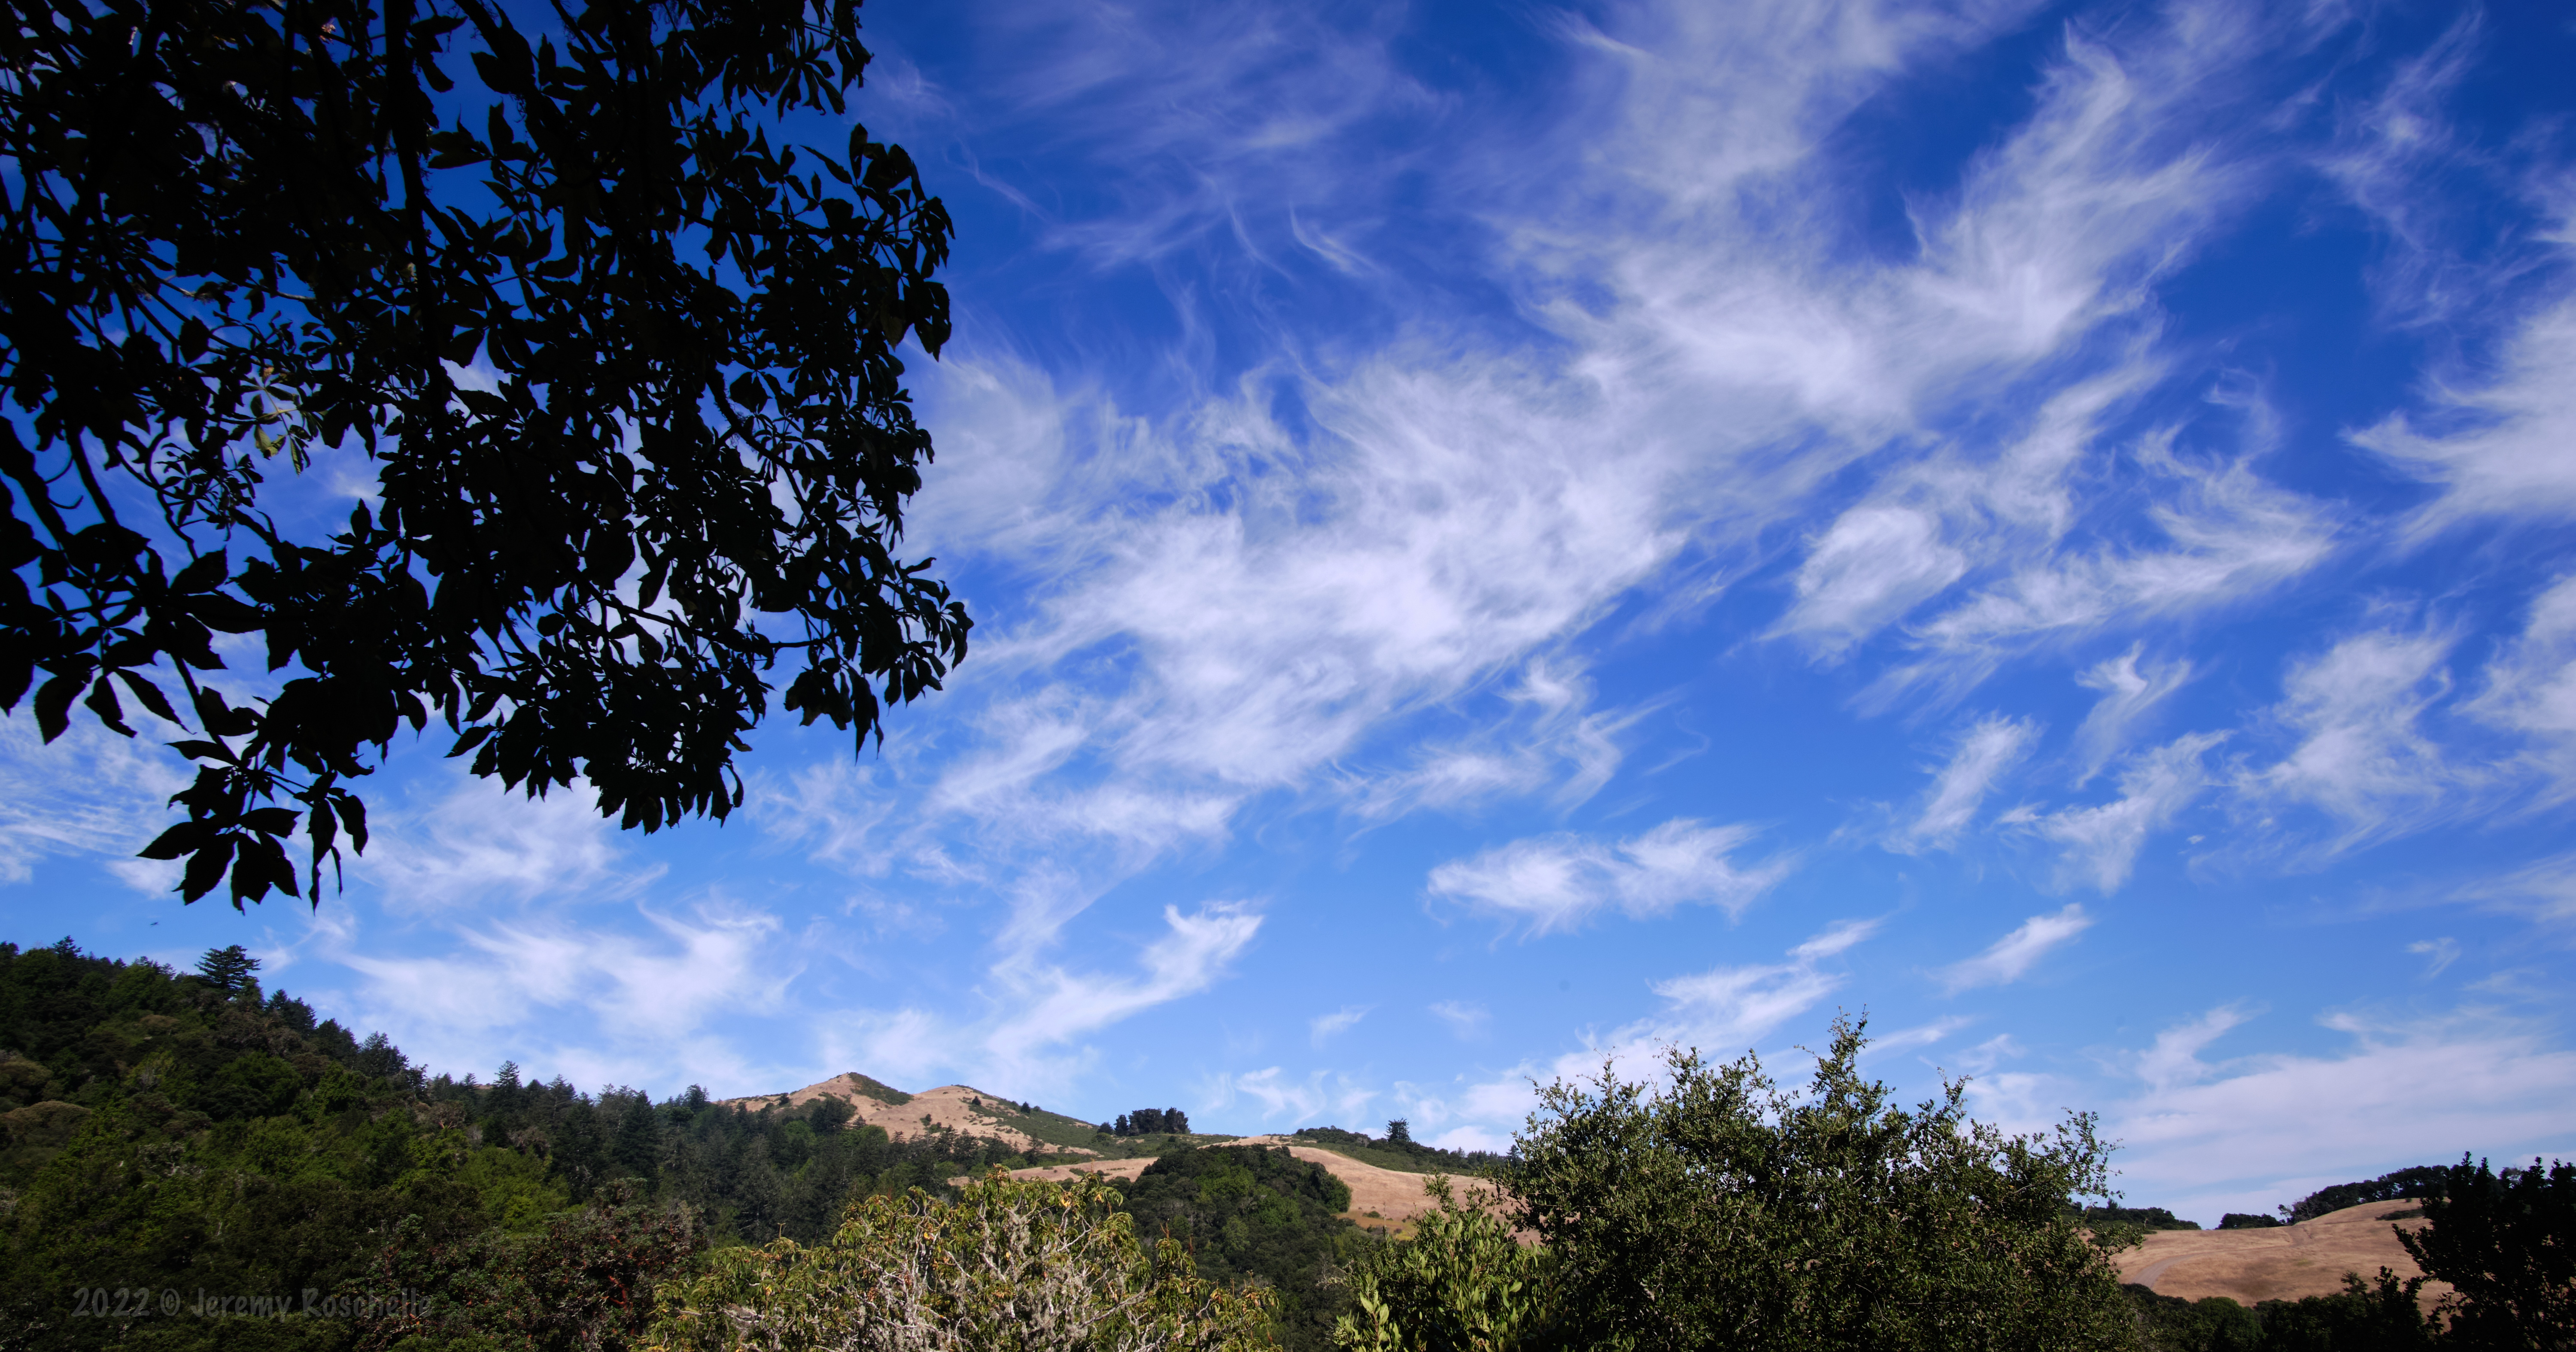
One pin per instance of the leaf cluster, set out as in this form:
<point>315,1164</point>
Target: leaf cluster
<point>239,235</point>
<point>1461,1284</point>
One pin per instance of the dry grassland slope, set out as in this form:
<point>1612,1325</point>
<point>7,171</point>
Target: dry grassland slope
<point>960,1108</point>
<point>2249,1266</point>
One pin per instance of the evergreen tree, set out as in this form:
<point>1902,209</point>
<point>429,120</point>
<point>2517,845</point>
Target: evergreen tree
<point>2506,1242</point>
<point>227,969</point>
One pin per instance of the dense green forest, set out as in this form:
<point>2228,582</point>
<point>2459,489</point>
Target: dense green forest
<point>1258,1216</point>
<point>186,1156</point>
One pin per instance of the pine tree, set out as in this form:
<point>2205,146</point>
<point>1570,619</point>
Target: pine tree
<point>227,969</point>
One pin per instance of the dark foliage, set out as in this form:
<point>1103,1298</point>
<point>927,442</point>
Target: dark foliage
<point>2137,1217</point>
<point>2241,1220</point>
<point>2373,1316</point>
<point>228,969</point>
<point>2418,1181</point>
<point>239,236</point>
<point>585,1280</point>
<point>1150,1122</point>
<point>2506,1242</point>
<point>1250,1215</point>
<point>164,1134</point>
<point>1404,1153</point>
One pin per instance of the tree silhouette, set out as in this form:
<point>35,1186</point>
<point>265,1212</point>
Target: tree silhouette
<point>241,239</point>
<point>228,968</point>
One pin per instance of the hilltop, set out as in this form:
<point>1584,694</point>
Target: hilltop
<point>952,1109</point>
<point>2280,1262</point>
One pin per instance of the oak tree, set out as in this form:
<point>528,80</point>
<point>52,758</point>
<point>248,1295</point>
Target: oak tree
<point>611,358</point>
<point>1719,1211</point>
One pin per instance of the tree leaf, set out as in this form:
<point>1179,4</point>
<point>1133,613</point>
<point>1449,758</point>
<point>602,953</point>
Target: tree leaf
<point>151,696</point>
<point>102,701</point>
<point>178,840</point>
<point>205,867</point>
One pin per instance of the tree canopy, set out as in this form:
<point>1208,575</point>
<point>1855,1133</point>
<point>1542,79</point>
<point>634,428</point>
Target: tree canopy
<point>1721,1211</point>
<point>2506,1242</point>
<point>616,364</point>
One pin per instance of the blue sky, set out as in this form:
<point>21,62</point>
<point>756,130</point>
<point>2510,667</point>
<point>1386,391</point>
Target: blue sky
<point>1505,536</point>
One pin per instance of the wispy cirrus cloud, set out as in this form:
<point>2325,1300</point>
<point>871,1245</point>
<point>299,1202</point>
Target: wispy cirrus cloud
<point>2129,693</point>
<point>2016,953</point>
<point>1052,1005</point>
<point>2100,844</point>
<point>1721,1011</point>
<point>1988,748</point>
<point>1557,882</point>
<point>2530,689</point>
<point>1325,1027</point>
<point>2363,756</point>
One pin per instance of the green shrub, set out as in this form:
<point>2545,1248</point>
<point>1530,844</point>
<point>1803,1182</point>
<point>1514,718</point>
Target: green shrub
<point>1461,1284</point>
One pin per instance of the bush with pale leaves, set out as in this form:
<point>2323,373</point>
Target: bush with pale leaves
<point>1028,1266</point>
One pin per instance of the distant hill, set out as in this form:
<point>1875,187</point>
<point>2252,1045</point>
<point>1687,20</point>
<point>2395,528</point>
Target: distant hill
<point>963,1111</point>
<point>2280,1263</point>
<point>953,1109</point>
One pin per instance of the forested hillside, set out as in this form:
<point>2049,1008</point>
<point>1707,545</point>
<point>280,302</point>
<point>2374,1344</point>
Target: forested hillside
<point>1255,1216</point>
<point>186,1155</point>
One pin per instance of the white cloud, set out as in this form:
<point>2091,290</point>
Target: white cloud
<point>646,998</point>
<point>1920,1035</point>
<point>2175,1057</point>
<point>1721,1011</point>
<point>1556,882</point>
<point>1465,1018</point>
<point>831,807</point>
<point>2015,953</point>
<point>2439,954</point>
<point>1985,750</point>
<point>2227,534</point>
<point>2544,889</point>
<point>2531,688</point>
<point>1875,564</point>
<point>2248,1134</point>
<point>1227,599</point>
<point>479,842</point>
<point>2362,757</point>
<point>1324,1027</point>
<point>1280,1096</point>
<point>2128,694</point>
<point>2494,443</point>
<point>2101,843</point>
<point>1473,1138</point>
<point>91,792</point>
<point>1549,734</point>
<point>1053,1005</point>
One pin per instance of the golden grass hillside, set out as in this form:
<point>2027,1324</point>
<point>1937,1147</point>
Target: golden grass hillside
<point>2287,1263</point>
